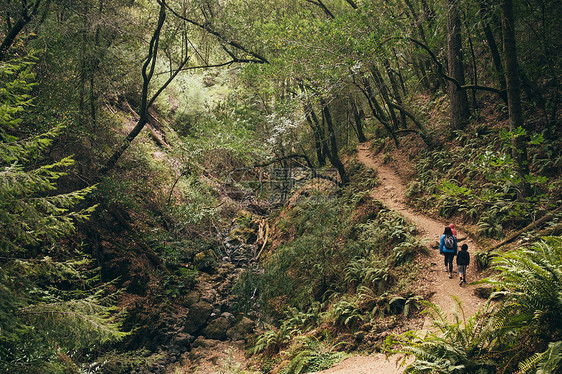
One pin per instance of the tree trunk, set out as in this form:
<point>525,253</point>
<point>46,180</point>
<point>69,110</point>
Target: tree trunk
<point>516,121</point>
<point>376,113</point>
<point>26,14</point>
<point>147,73</point>
<point>459,111</point>
<point>333,153</point>
<point>318,132</point>
<point>383,89</point>
<point>492,45</point>
<point>358,116</point>
<point>395,91</point>
<point>422,65</point>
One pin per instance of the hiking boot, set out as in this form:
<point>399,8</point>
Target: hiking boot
<point>450,275</point>
<point>446,269</point>
<point>461,282</point>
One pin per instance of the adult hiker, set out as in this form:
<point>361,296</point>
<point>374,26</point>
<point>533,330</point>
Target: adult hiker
<point>448,248</point>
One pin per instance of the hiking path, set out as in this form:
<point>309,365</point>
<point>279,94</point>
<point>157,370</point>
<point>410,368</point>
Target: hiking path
<point>391,192</point>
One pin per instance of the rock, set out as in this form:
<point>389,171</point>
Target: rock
<point>217,329</point>
<point>209,295</point>
<point>202,342</point>
<point>183,342</point>
<point>241,330</point>
<point>483,292</point>
<point>197,316</point>
<point>229,317</point>
<point>359,336</point>
<point>191,298</point>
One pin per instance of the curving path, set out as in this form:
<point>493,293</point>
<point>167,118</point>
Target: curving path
<point>391,192</point>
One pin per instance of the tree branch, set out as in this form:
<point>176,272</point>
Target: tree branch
<point>502,94</point>
<point>207,27</point>
<point>526,228</point>
<point>353,5</point>
<point>324,8</point>
<point>308,162</point>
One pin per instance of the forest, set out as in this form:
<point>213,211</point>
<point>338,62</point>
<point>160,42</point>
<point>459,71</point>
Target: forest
<point>260,186</point>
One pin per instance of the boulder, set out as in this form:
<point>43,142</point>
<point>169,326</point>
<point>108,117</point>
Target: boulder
<point>217,329</point>
<point>204,343</point>
<point>241,330</point>
<point>197,316</point>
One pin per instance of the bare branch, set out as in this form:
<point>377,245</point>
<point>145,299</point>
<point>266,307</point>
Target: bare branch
<point>502,94</point>
<point>207,27</point>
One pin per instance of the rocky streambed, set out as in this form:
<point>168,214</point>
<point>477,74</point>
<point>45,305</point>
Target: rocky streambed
<point>209,324</point>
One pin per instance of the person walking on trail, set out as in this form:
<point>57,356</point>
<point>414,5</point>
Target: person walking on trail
<point>452,226</point>
<point>448,248</point>
<point>463,260</point>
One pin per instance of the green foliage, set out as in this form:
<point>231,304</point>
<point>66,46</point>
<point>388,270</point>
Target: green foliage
<point>461,346</point>
<point>313,258</point>
<point>294,323</point>
<point>338,269</point>
<point>273,340</point>
<point>116,362</point>
<point>483,259</point>
<point>550,361</point>
<point>345,313</point>
<point>508,336</point>
<point>385,304</point>
<point>52,307</point>
<point>478,182</point>
<point>547,362</point>
<point>532,280</point>
<point>364,177</point>
<point>30,211</point>
<point>310,355</point>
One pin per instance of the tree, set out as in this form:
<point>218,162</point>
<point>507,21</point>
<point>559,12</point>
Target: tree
<point>29,213</point>
<point>187,52</point>
<point>459,101</point>
<point>16,16</point>
<point>516,121</point>
<point>36,317</point>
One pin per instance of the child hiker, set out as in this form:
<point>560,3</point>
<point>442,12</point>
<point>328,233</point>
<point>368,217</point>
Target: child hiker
<point>463,259</point>
<point>448,248</point>
<point>452,226</point>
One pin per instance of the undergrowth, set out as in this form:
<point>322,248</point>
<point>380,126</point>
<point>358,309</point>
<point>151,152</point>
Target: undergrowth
<point>476,180</point>
<point>333,281</point>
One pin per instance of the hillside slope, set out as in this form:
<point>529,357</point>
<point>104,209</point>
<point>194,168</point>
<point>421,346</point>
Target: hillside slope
<point>391,193</point>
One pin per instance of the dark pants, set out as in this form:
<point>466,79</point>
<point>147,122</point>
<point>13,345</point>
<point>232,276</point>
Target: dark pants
<point>449,260</point>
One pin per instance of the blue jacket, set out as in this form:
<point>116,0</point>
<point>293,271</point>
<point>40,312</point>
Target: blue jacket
<point>443,249</point>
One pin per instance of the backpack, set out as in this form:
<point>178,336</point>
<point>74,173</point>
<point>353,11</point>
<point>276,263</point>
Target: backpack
<point>449,242</point>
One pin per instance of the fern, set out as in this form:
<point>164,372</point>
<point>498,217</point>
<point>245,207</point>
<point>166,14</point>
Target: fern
<point>463,345</point>
<point>533,281</point>
<point>47,307</point>
<point>310,355</point>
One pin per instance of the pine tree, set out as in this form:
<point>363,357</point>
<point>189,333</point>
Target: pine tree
<point>29,211</point>
<point>41,323</point>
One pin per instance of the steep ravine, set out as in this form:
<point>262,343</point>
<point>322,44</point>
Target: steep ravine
<point>214,356</point>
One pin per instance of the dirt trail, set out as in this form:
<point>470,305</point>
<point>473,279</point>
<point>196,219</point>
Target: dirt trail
<point>391,192</point>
